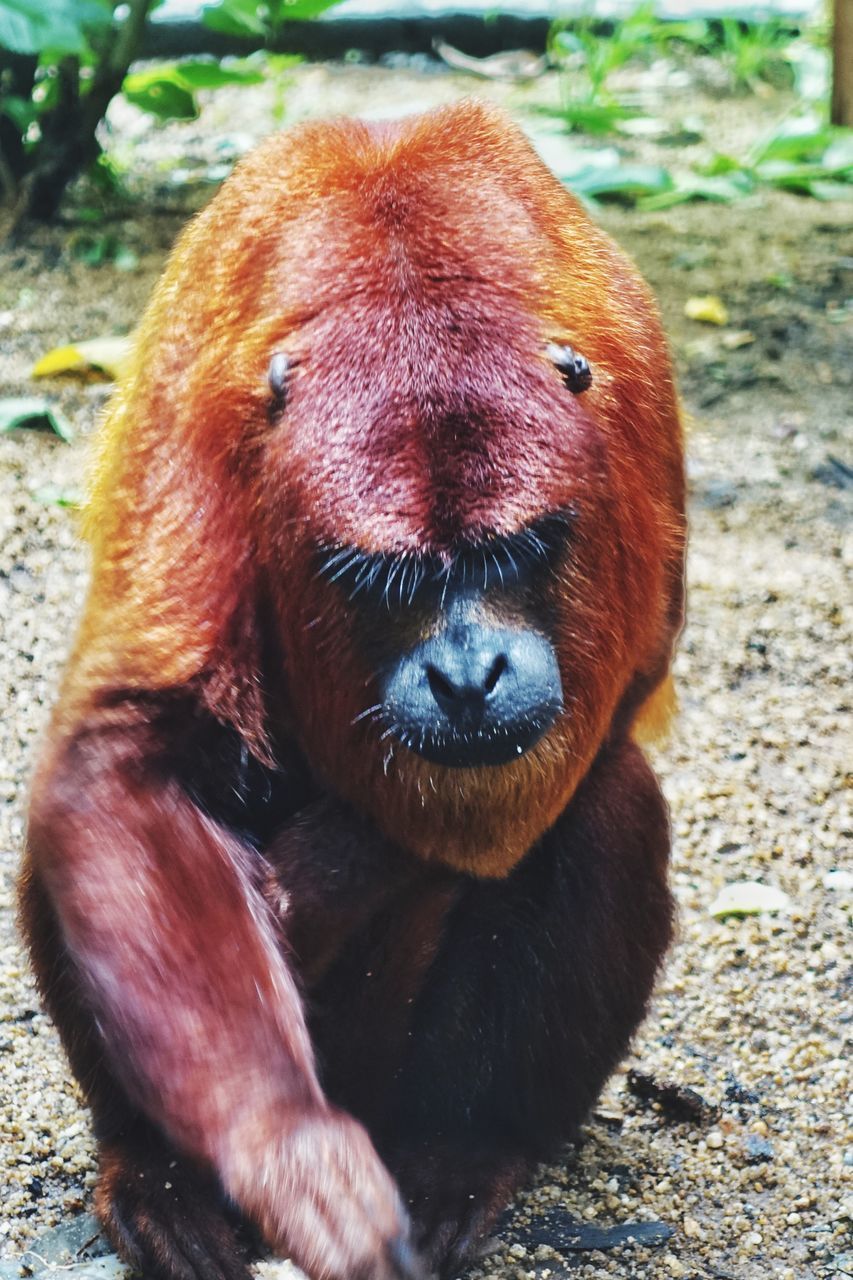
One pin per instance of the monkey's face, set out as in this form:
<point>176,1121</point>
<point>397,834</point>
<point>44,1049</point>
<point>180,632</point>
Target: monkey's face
<point>466,672</point>
<point>455,605</point>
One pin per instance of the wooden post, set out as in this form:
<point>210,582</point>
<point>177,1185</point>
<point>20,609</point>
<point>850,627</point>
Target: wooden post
<point>841,111</point>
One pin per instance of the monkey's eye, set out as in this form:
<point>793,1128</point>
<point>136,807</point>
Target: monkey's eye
<point>277,375</point>
<point>574,368</point>
<point>499,562</point>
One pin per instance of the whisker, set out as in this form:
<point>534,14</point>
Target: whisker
<point>368,711</point>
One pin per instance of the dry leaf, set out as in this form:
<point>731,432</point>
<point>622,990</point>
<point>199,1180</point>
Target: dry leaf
<point>512,64</point>
<point>109,356</point>
<point>709,309</point>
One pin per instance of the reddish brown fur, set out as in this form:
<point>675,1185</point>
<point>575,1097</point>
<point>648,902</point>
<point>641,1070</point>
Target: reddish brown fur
<point>414,274</point>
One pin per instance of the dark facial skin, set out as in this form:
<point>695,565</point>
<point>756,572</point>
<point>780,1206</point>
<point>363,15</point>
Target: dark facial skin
<point>473,694</point>
<point>467,673</point>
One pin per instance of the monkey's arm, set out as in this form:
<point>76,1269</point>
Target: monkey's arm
<point>199,1016</point>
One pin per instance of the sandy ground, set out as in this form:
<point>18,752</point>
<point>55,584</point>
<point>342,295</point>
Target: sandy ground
<point>753,1014</point>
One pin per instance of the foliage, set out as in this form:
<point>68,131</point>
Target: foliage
<point>587,57</point>
<point>53,27</point>
<point>755,51</point>
<point>251,20</point>
<point>63,61</point>
<point>802,154</point>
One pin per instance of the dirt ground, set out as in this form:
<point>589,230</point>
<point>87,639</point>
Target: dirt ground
<point>753,1014</point>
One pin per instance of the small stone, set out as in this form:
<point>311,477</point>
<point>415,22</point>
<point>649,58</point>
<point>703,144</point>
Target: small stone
<point>748,898</point>
<point>839,881</point>
<point>758,1149</point>
<point>714,1140</point>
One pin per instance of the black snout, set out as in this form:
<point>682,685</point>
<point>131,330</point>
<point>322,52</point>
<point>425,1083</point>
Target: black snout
<point>473,695</point>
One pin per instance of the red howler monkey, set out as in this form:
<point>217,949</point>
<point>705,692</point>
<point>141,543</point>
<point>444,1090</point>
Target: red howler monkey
<point>346,880</point>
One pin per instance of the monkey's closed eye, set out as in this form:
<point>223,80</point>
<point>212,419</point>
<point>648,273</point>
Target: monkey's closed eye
<point>277,375</point>
<point>575,369</point>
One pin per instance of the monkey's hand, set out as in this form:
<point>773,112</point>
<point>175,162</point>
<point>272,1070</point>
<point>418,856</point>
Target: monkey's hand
<point>321,1195</point>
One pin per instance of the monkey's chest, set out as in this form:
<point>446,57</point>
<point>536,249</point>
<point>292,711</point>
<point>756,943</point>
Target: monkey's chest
<point>361,1010</point>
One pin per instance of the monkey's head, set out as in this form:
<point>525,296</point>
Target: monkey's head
<point>472,560</point>
<point>468,538</point>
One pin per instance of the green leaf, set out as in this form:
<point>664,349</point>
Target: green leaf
<point>800,139</point>
<point>56,495</point>
<point>21,111</point>
<point>299,10</point>
<point>595,117</point>
<point>168,89</point>
<point>235,18</point>
<point>628,182</point>
<point>723,190</point>
<point>839,153</point>
<point>809,179</point>
<point>161,92</point>
<point>208,74</point>
<point>32,412</point>
<point>719,165</point>
<point>829,190</point>
<point>33,26</point>
<point>247,18</point>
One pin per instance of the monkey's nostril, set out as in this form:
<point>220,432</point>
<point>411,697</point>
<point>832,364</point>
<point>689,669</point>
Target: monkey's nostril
<point>461,686</point>
<point>441,688</point>
<point>497,669</point>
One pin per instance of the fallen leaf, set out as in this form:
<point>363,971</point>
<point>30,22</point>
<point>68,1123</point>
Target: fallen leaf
<point>55,495</point>
<point>110,356</point>
<point>677,1100</point>
<point>737,338</point>
<point>512,64</point>
<point>748,898</point>
<point>709,309</point>
<point>33,413</point>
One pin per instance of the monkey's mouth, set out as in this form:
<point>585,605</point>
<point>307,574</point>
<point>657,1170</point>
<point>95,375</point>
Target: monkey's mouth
<point>483,746</point>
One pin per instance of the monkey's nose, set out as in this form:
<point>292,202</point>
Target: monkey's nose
<point>461,677</point>
<point>473,694</point>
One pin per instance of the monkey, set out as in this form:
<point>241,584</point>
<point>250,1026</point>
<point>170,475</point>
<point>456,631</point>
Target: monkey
<point>345,879</point>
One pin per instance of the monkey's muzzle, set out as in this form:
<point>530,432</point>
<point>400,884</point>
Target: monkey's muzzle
<point>473,695</point>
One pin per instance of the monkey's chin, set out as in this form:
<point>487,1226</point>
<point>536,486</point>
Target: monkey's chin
<point>485,747</point>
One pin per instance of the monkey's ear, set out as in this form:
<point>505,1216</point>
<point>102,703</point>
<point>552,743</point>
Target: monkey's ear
<point>277,378</point>
<point>574,367</point>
